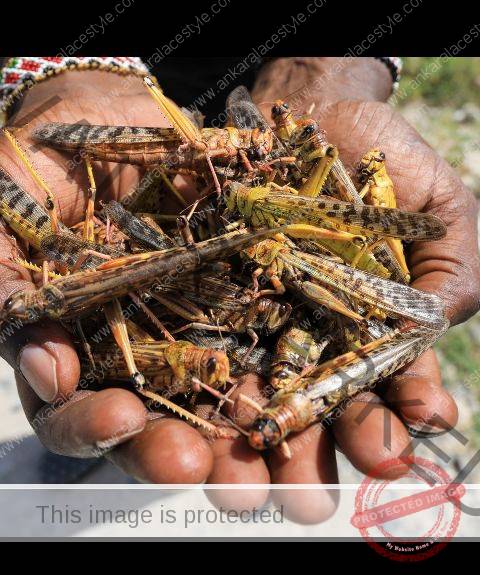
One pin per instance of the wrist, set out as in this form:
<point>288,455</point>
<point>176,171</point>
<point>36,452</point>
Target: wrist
<point>88,91</point>
<point>324,81</point>
<point>19,74</point>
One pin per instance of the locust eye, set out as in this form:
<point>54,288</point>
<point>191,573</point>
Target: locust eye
<point>211,365</point>
<point>381,155</point>
<point>308,130</point>
<point>8,304</point>
<point>13,306</point>
<point>284,309</point>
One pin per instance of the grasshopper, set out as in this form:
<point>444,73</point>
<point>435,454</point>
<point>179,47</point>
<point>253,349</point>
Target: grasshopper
<point>83,292</point>
<point>269,255</point>
<point>396,300</point>
<point>171,369</point>
<point>319,161</point>
<point>315,397</point>
<point>296,350</point>
<point>324,217</point>
<point>180,366</point>
<point>378,190</point>
<point>182,146</point>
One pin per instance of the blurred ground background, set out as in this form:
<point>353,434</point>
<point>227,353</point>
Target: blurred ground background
<point>440,98</point>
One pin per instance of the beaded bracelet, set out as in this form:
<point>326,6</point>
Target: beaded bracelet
<point>21,73</point>
<point>394,64</point>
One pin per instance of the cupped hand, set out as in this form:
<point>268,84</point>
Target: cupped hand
<point>70,420</point>
<point>114,422</point>
<point>373,428</point>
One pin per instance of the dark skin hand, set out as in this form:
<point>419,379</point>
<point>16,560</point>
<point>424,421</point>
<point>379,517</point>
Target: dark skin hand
<point>163,450</point>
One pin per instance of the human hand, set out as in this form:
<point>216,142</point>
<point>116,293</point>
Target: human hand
<point>449,267</point>
<point>86,423</point>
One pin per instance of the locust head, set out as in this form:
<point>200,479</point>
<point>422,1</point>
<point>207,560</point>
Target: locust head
<point>214,368</point>
<point>307,131</point>
<point>262,143</point>
<point>271,314</point>
<point>14,308</point>
<point>370,164</point>
<point>264,433</point>
<point>280,111</point>
<point>21,306</point>
<point>287,412</point>
<point>282,374</point>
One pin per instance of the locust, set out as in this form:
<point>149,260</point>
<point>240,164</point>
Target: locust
<point>179,367</point>
<point>316,396</point>
<point>183,145</point>
<point>229,308</point>
<point>269,255</point>
<point>396,300</point>
<point>319,161</point>
<point>296,350</point>
<point>82,292</point>
<point>171,369</point>
<point>329,218</point>
<point>377,189</point>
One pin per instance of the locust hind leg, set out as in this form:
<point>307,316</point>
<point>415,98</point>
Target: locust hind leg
<point>151,316</point>
<point>88,228</point>
<point>323,296</point>
<point>310,232</point>
<point>367,248</point>
<point>205,326</point>
<point>50,199</point>
<point>254,336</point>
<point>183,413</point>
<point>86,346</point>
<point>118,327</point>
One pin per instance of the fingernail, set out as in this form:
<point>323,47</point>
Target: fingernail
<point>38,367</point>
<point>424,431</point>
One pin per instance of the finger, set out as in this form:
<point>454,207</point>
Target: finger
<point>313,462</point>
<point>88,424</point>
<point>46,358</point>
<point>370,435</point>
<point>417,396</point>
<point>236,462</point>
<point>44,353</point>
<point>166,451</point>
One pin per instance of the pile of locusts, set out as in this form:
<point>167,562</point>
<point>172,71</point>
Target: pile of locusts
<point>283,266</point>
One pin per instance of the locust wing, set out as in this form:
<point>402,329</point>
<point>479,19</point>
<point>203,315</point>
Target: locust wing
<point>354,218</point>
<point>242,113</point>
<point>66,248</point>
<point>79,136</point>
<point>395,353</point>
<point>397,300</point>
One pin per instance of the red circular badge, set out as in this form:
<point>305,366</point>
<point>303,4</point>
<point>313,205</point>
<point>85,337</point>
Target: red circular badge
<point>377,516</point>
